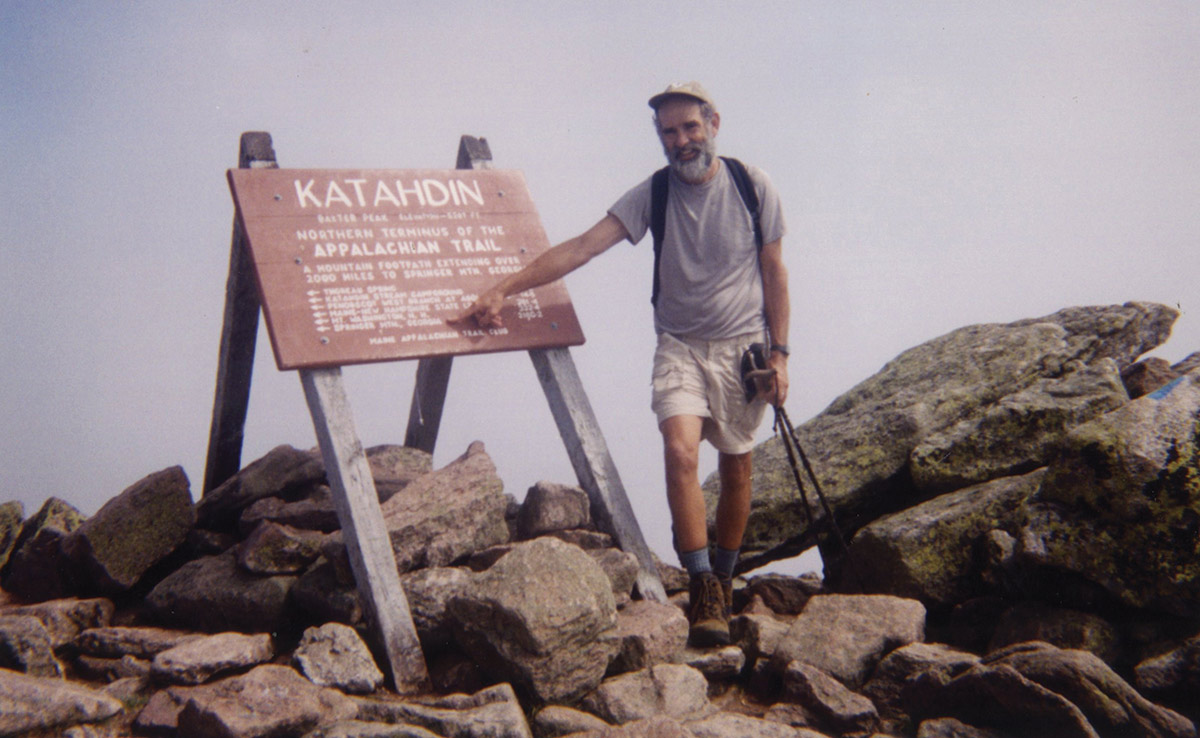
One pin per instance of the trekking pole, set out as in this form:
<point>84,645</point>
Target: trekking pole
<point>791,445</point>
<point>791,455</point>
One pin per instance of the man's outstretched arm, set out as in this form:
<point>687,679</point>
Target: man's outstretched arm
<point>554,264</point>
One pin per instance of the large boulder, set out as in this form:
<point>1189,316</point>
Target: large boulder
<point>29,704</point>
<point>282,470</point>
<point>543,617</point>
<point>448,514</point>
<point>847,635</point>
<point>673,690</point>
<point>132,532</point>
<point>987,376</point>
<point>928,552</point>
<point>1120,507</point>
<point>270,700</point>
<point>1050,691</point>
<point>38,569</point>
<point>1019,433</point>
<point>214,594</point>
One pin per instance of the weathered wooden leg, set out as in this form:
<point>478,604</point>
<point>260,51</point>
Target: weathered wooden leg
<point>428,400</point>
<point>235,363</point>
<point>363,531</point>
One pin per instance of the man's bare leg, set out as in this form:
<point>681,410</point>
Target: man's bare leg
<point>733,507</point>
<point>681,456</point>
<point>708,612</point>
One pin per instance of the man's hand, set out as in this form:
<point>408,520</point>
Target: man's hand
<point>485,310</point>
<point>777,392</point>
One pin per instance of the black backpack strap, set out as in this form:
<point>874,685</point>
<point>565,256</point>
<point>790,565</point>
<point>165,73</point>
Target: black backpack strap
<point>745,188</point>
<point>658,221</point>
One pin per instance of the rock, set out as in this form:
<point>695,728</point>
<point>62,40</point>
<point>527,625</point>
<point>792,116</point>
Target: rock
<point>274,548</point>
<point>25,647</point>
<point>448,514</point>
<point>886,687</point>
<point>1035,686</point>
<point>140,642</point>
<point>30,703</point>
<point>838,709</point>
<point>314,512</point>
<point>1178,667</point>
<point>1064,628</point>
<point>214,594</point>
<point>325,595</point>
<point>860,446</point>
<point>1109,703</point>
<point>847,635</point>
<point>200,659</point>
<point>283,470</point>
<point>363,729</point>
<point>1189,364</point>
<point>650,633</point>
<point>132,532</point>
<point>100,669</point>
<point>1147,375</point>
<point>334,655</point>
<point>758,635</point>
<point>429,592</point>
<point>1019,433</point>
<point>783,594</point>
<point>549,508</point>
<point>951,728</point>
<point>999,697</point>
<point>269,700</point>
<point>588,540</point>
<point>65,619</point>
<point>11,515</point>
<point>38,569</point>
<point>669,690</point>
<point>490,713</point>
<point>556,720</point>
<point>622,569</point>
<point>160,716</point>
<point>733,725</point>
<point>543,617</point>
<point>395,467</point>
<point>716,664</point>
<point>926,552</point>
<point>1127,482</point>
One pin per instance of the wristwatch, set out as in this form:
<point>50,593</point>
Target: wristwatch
<point>781,348</point>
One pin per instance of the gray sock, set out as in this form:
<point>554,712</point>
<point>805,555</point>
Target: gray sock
<point>725,561</point>
<point>696,562</point>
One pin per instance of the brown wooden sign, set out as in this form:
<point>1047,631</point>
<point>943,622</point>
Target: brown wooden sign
<point>359,266</point>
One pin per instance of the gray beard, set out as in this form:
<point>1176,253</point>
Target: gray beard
<point>694,170</point>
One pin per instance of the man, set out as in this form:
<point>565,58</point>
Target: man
<point>719,292</point>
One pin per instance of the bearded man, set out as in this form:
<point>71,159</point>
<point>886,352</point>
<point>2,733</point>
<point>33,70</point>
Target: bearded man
<point>720,286</point>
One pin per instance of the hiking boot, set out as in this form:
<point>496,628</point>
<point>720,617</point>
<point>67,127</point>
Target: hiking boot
<point>727,591</point>
<point>708,618</point>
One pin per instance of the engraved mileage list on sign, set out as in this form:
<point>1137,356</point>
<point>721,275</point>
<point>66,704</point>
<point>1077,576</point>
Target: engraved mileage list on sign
<point>359,266</point>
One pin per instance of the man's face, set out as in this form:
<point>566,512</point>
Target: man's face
<point>688,140</point>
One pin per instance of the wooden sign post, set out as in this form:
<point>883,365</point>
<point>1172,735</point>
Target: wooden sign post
<point>357,266</point>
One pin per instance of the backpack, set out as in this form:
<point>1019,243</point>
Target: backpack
<point>658,209</point>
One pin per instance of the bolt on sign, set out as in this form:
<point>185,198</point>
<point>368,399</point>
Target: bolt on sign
<point>358,266</point>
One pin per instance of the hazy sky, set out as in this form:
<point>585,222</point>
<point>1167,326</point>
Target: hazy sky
<point>940,163</point>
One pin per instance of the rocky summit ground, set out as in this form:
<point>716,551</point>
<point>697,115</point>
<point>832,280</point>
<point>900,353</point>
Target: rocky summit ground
<point>1011,531</point>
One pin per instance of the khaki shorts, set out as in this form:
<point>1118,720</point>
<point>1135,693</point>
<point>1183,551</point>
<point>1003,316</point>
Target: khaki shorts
<point>703,379</point>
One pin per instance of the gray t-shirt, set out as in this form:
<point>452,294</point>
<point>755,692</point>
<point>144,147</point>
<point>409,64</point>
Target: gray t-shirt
<point>710,286</point>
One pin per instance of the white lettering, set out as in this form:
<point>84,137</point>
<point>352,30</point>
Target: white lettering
<point>306,194</point>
